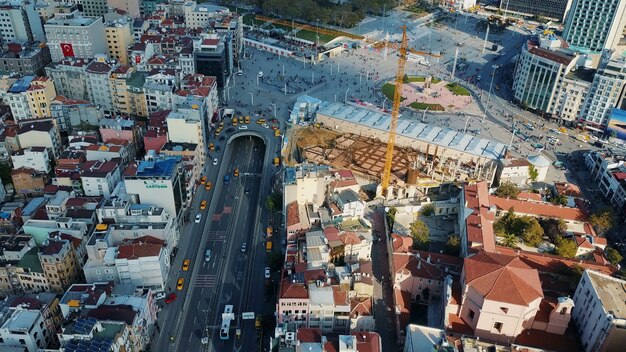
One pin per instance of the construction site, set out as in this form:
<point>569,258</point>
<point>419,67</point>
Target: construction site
<point>413,171</point>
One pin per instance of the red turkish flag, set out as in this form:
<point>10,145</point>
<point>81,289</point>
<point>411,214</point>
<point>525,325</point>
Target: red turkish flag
<point>67,49</point>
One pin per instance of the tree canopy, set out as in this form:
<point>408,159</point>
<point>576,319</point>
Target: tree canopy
<point>553,228</point>
<point>428,209</point>
<point>613,256</point>
<point>420,232</point>
<point>533,173</point>
<point>453,245</point>
<point>603,220</point>
<point>565,248</point>
<point>507,190</point>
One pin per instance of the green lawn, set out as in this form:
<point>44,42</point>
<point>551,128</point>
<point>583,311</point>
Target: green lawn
<point>457,89</point>
<point>423,106</point>
<point>436,80</point>
<point>408,79</point>
<point>311,36</point>
<point>250,19</point>
<point>388,90</point>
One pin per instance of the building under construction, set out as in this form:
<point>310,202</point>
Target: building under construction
<point>426,155</point>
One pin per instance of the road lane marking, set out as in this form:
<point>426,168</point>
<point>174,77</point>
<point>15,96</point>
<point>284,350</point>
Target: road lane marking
<point>205,281</point>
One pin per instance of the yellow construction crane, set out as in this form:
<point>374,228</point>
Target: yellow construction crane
<point>397,97</point>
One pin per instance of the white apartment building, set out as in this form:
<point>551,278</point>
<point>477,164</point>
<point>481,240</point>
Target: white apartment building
<point>600,312</point>
<point>199,16</point>
<point>182,128</point>
<point>22,328</point>
<point>318,253</point>
<point>20,22</point>
<point>69,78</point>
<point>329,308</point>
<point>70,34</point>
<point>159,89</point>
<point>539,73</point>
<point>593,25</point>
<point>571,96</point>
<point>40,134</point>
<point>143,264</point>
<point>606,92</point>
<point>350,204</point>
<point>99,177</point>
<point>36,158</point>
<point>97,76</point>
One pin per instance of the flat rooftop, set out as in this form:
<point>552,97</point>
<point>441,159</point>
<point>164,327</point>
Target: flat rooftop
<point>612,293</point>
<point>20,319</point>
<point>420,132</point>
<point>157,168</point>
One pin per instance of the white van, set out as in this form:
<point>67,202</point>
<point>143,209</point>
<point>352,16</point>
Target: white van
<point>207,255</point>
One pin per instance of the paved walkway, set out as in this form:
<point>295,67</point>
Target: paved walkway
<point>383,290</point>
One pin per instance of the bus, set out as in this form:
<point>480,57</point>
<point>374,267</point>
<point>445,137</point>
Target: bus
<point>227,317</point>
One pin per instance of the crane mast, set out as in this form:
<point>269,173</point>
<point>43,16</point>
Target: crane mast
<point>397,98</point>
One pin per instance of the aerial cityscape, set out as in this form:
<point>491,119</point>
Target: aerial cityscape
<point>312,175</point>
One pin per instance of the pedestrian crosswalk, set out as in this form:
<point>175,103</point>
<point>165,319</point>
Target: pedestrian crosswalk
<point>205,281</point>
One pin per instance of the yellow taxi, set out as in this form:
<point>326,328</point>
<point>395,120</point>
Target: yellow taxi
<point>208,186</point>
<point>180,283</point>
<point>203,205</point>
<point>221,124</point>
<point>185,264</point>
<point>211,147</point>
<point>236,173</point>
<point>247,119</point>
<point>203,180</point>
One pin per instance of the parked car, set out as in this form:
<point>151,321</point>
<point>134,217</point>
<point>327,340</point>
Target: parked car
<point>170,298</point>
<point>267,272</point>
<point>198,217</point>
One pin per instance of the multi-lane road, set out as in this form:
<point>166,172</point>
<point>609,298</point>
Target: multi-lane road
<point>234,215</point>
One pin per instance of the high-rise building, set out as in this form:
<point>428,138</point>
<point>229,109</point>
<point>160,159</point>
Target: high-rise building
<point>213,57</point>
<point>608,91</point>
<point>94,8</point>
<point>20,22</point>
<point>541,69</point>
<point>595,25</point>
<point>119,36</point>
<point>548,8</point>
<point>70,34</point>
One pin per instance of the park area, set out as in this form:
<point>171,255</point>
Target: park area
<point>302,31</point>
<point>432,93</point>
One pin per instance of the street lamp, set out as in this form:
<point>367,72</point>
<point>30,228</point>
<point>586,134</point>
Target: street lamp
<point>274,105</point>
<point>345,98</point>
<point>384,103</point>
<point>251,98</point>
<point>493,75</point>
<point>317,21</point>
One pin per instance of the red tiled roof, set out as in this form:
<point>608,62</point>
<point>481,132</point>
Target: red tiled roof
<point>350,238</point>
<point>361,306</point>
<point>53,247</point>
<point>331,233</point>
<point>309,335</point>
<point>293,215</point>
<point>568,189</point>
<point>138,250</point>
<point>211,42</point>
<point>548,341</point>
<point>479,226</point>
<point>345,174</point>
<point>551,55</point>
<point>120,312</point>
<point>367,341</point>
<point>502,278</point>
<point>290,290</point>
<point>546,307</point>
<point>548,263</point>
<point>314,275</point>
<point>401,244</point>
<point>536,197</point>
<point>538,209</point>
<point>340,296</point>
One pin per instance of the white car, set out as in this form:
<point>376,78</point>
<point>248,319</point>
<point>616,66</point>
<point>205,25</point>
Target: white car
<point>267,272</point>
<point>244,127</point>
<point>260,74</point>
<point>198,217</point>
<point>239,73</point>
<point>215,161</point>
<point>160,295</point>
<point>265,125</point>
<point>244,246</point>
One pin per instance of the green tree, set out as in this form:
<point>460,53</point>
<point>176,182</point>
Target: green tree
<point>5,174</point>
<point>270,203</point>
<point>553,228</point>
<point>420,232</point>
<point>275,260</point>
<point>565,248</point>
<point>505,224</point>
<point>559,199</point>
<point>613,256</point>
<point>603,220</point>
<point>391,217</point>
<point>532,232</point>
<point>452,246</point>
<point>509,240</point>
<point>428,209</point>
<point>533,173</point>
<point>507,190</point>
